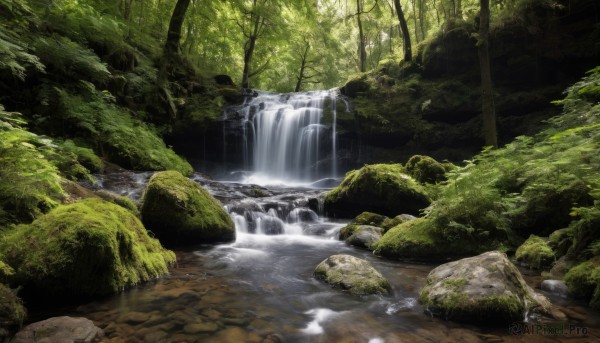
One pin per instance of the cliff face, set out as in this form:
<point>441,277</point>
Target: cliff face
<point>432,106</point>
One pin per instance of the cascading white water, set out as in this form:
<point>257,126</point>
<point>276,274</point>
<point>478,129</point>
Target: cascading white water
<point>284,140</point>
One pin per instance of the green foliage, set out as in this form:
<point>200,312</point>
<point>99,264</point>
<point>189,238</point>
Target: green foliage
<point>12,311</point>
<point>535,252</point>
<point>29,182</point>
<point>93,117</point>
<point>88,248</point>
<point>67,59</point>
<point>15,56</point>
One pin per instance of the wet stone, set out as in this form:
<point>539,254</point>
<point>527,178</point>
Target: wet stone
<point>134,318</point>
<point>156,336</point>
<point>196,328</point>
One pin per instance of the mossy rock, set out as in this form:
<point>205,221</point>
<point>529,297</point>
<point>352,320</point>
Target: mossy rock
<point>365,236</point>
<point>583,281</point>
<point>378,188</point>
<point>425,169</point>
<point>179,211</point>
<point>352,274</point>
<point>85,249</point>
<point>486,289</point>
<point>365,218</point>
<point>536,253</point>
<point>12,311</point>
<point>120,200</point>
<point>355,87</point>
<point>560,241</point>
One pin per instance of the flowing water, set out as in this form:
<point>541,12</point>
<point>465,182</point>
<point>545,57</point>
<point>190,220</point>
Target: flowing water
<point>260,288</point>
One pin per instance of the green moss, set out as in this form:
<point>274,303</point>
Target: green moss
<point>88,248</point>
<point>5,271</point>
<point>454,282</point>
<point>120,200</point>
<point>420,239</point>
<point>379,188</point>
<point>536,253</point>
<point>12,311</point>
<point>560,241</point>
<point>583,281</point>
<point>180,211</point>
<point>425,169</point>
<point>389,223</point>
<point>365,218</point>
<point>412,239</point>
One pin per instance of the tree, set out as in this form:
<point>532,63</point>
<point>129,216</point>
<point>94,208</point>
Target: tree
<point>404,31</point>
<point>174,34</point>
<point>487,96</point>
<point>361,39</point>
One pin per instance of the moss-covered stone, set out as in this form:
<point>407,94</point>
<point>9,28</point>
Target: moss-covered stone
<point>536,253</point>
<point>365,236</point>
<point>425,169</point>
<point>352,274</point>
<point>12,311</point>
<point>583,281</point>
<point>389,223</point>
<point>560,241</point>
<point>379,188</point>
<point>120,200</point>
<point>180,211</point>
<point>487,288</point>
<point>365,218</point>
<point>419,239</point>
<point>85,249</point>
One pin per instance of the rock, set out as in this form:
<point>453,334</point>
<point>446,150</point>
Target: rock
<point>535,253</point>
<point>352,274</point>
<point>355,87</point>
<point>365,236</point>
<point>197,328</point>
<point>117,199</point>
<point>423,239</point>
<point>88,248</point>
<point>583,281</point>
<point>60,330</point>
<point>557,287</point>
<point>12,311</point>
<point>379,188</point>
<point>180,211</point>
<point>487,289</point>
<point>304,215</point>
<point>134,318</point>
<point>425,169</point>
<point>270,225</point>
<point>389,223</point>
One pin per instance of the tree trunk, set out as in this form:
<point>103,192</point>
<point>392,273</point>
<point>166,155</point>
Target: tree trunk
<point>458,6</point>
<point>404,31</point>
<point>174,33</point>
<point>249,52</point>
<point>487,96</point>
<point>302,69</point>
<point>414,6</point>
<point>422,18</point>
<point>361,36</point>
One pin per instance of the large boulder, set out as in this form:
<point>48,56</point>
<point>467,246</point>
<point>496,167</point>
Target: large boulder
<point>379,188</point>
<point>88,248</point>
<point>365,236</point>
<point>486,288</point>
<point>60,329</point>
<point>352,274</point>
<point>179,211</point>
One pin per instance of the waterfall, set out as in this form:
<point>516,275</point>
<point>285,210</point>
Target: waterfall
<point>284,139</point>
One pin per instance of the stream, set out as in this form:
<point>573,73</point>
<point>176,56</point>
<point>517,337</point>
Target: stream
<point>261,289</point>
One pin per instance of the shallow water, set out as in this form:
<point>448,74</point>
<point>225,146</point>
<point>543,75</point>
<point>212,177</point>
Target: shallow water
<point>261,289</point>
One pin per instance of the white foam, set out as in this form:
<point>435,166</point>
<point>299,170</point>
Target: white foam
<point>320,315</point>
